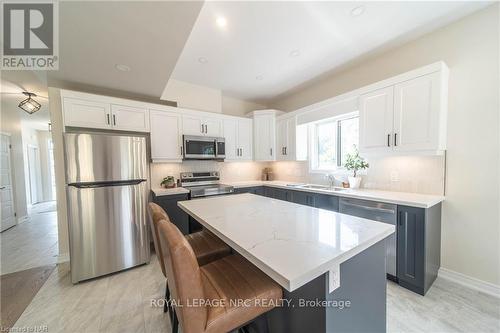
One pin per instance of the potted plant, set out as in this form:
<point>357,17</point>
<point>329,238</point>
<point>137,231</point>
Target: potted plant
<point>354,163</point>
<point>168,182</point>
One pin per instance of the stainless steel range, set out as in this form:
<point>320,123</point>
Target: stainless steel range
<point>204,184</point>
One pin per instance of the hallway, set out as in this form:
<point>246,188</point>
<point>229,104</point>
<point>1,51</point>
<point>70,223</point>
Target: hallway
<point>32,243</point>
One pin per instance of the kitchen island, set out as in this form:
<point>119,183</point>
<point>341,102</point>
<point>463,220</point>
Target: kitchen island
<point>331,265</point>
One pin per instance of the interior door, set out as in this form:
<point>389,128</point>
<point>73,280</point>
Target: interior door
<point>231,137</point>
<point>7,211</point>
<point>245,139</point>
<point>376,114</point>
<point>416,114</point>
<point>34,174</point>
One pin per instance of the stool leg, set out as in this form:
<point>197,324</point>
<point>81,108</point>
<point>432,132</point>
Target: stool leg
<point>166,306</point>
<point>175,323</point>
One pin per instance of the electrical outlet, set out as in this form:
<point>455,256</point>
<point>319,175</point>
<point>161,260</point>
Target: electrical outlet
<point>334,278</point>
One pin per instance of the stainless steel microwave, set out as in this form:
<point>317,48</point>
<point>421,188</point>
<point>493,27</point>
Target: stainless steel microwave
<point>203,148</point>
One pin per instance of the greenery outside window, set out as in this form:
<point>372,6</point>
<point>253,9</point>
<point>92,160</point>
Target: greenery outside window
<point>331,140</point>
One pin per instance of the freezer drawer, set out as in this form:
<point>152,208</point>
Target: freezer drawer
<point>108,229</point>
<point>382,212</point>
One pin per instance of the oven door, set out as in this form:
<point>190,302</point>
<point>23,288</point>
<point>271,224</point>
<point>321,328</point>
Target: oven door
<point>221,148</point>
<point>199,148</point>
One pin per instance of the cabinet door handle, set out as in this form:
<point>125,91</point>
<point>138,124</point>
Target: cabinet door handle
<point>241,151</point>
<point>395,139</point>
<point>201,128</point>
<point>206,128</point>
<point>2,188</point>
<point>285,151</point>
<point>182,151</point>
<point>388,140</point>
<point>271,151</point>
<point>114,120</point>
<point>107,118</point>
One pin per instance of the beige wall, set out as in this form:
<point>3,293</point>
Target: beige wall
<point>470,47</point>
<point>10,121</point>
<point>196,97</point>
<point>229,171</point>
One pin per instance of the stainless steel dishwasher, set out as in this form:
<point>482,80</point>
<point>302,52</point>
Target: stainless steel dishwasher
<point>382,212</point>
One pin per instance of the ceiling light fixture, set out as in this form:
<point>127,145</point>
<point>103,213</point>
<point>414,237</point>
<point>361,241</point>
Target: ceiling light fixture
<point>122,68</point>
<point>259,77</point>
<point>221,21</point>
<point>294,53</point>
<point>202,60</point>
<point>29,104</point>
<point>357,11</point>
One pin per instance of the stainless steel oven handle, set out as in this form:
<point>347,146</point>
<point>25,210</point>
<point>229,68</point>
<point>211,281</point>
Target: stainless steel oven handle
<point>374,209</point>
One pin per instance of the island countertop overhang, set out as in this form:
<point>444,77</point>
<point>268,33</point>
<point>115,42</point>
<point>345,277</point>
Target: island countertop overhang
<point>291,243</point>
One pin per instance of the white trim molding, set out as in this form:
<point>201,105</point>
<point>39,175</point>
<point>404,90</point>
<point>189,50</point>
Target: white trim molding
<point>470,282</point>
<point>62,258</point>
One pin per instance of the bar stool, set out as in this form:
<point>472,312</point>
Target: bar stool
<point>207,247</point>
<point>219,284</point>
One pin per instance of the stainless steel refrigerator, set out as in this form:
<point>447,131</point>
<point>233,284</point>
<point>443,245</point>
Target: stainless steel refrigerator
<point>106,184</point>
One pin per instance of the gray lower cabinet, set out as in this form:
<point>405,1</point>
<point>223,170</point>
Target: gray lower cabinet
<point>176,215</point>
<point>418,247</point>
<point>259,190</point>
<point>325,201</point>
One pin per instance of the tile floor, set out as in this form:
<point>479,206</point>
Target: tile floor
<point>122,303</point>
<point>32,243</point>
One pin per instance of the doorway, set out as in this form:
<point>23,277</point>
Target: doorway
<point>34,174</point>
<point>7,210</point>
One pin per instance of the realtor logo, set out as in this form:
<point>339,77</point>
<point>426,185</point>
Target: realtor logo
<point>29,32</point>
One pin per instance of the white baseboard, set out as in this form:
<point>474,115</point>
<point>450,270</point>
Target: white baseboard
<point>470,282</point>
<point>23,219</point>
<point>62,258</point>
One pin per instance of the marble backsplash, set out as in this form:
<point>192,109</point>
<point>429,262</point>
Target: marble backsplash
<point>229,171</point>
<point>416,174</point>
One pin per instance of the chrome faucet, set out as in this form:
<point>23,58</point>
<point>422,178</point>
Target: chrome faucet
<point>331,180</point>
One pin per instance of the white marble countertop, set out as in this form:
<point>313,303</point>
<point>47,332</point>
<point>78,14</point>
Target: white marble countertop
<point>291,243</point>
<point>169,191</point>
<point>399,198</point>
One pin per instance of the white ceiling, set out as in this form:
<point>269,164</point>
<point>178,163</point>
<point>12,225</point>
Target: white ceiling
<point>148,37</point>
<point>250,57</point>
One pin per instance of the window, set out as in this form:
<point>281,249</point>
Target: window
<point>331,140</point>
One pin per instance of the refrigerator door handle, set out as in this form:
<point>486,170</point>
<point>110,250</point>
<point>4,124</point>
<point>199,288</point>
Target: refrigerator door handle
<point>107,184</point>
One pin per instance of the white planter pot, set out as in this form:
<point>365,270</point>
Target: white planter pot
<point>354,182</point>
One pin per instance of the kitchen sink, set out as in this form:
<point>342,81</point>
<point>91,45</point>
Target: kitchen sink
<point>316,187</point>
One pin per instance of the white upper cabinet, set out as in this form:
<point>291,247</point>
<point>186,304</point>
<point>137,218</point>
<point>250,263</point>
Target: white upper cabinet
<point>286,139</point>
<point>417,114</point>
<point>199,125</point>
<point>245,139</point>
<point>264,135</point>
<point>408,116</point>
<point>166,140</point>
<point>238,136</point>
<point>231,138</point>
<point>92,111</point>
<point>376,112</point>
<point>130,118</point>
<point>85,113</point>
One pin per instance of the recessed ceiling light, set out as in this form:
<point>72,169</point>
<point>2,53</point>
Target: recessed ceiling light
<point>221,21</point>
<point>259,77</point>
<point>123,68</point>
<point>202,60</point>
<point>294,53</point>
<point>357,11</point>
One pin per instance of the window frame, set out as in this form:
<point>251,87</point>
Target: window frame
<point>313,144</point>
